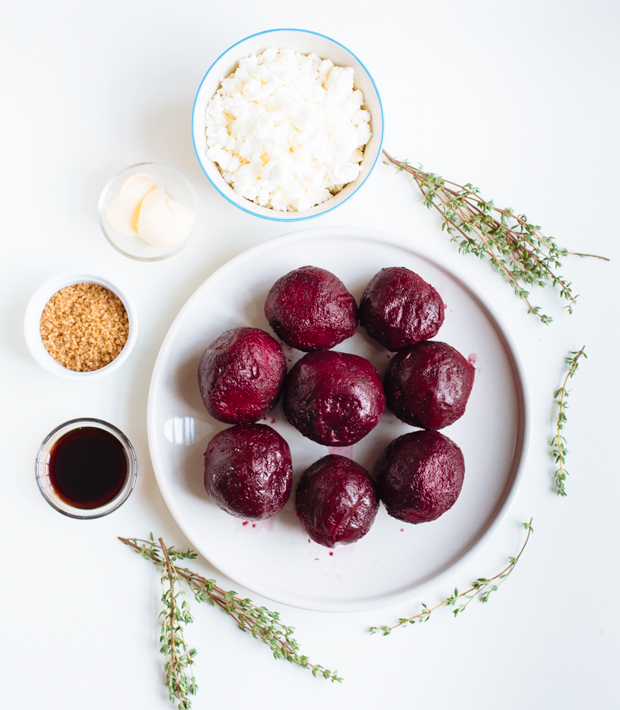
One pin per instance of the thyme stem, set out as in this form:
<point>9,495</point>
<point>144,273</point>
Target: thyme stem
<point>173,652</point>
<point>558,443</point>
<point>482,586</point>
<point>591,256</point>
<point>178,657</point>
<point>514,246</point>
<point>263,624</point>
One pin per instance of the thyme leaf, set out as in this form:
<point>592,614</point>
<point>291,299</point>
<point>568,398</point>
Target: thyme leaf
<point>558,443</point>
<point>482,588</point>
<point>263,624</point>
<point>521,253</point>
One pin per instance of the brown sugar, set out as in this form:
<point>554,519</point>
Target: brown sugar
<point>84,327</point>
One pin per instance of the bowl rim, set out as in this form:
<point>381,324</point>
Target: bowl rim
<point>329,209</point>
<point>32,318</point>
<point>106,190</point>
<point>132,474</point>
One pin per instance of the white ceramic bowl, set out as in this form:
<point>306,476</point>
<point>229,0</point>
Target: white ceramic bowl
<point>305,42</point>
<point>32,322</point>
<point>176,185</point>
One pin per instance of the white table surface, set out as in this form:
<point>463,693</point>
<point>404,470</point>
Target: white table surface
<point>518,98</point>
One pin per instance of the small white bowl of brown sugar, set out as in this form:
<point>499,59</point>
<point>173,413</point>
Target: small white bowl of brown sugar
<point>80,326</point>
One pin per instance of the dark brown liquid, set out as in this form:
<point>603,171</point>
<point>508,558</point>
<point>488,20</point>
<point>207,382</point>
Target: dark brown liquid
<point>87,467</point>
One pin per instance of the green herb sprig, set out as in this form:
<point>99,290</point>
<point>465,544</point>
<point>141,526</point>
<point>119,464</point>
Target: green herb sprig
<point>514,246</point>
<point>558,443</point>
<point>179,659</point>
<point>482,588</point>
<point>263,624</point>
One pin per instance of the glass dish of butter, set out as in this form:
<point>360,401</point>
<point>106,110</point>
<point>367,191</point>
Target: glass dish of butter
<point>148,211</point>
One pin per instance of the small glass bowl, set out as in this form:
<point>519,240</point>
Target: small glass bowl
<point>43,478</point>
<point>32,324</point>
<point>176,185</point>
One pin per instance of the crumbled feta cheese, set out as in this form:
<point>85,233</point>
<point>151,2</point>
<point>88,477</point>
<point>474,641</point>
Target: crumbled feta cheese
<point>287,130</point>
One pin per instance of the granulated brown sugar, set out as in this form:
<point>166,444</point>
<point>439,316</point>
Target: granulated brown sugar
<point>84,327</point>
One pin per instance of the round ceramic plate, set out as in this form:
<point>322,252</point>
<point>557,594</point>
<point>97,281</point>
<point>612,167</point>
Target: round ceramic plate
<point>274,557</point>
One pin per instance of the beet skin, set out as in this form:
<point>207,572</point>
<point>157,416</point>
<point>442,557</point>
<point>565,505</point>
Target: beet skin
<point>333,398</point>
<point>419,476</point>
<point>398,308</point>
<point>428,384</point>
<point>241,374</point>
<point>248,471</point>
<point>336,501</point>
<point>310,309</point>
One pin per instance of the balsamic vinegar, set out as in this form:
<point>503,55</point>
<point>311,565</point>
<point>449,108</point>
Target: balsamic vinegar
<point>87,467</point>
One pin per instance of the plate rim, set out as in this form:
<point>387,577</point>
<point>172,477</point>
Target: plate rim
<point>364,234</point>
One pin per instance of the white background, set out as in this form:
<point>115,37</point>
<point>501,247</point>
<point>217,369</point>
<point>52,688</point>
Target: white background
<point>519,98</point>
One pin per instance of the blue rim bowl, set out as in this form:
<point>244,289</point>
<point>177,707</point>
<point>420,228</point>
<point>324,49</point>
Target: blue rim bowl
<point>306,42</point>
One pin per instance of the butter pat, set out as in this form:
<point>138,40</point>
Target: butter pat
<point>124,211</point>
<point>144,210</point>
<point>163,222</point>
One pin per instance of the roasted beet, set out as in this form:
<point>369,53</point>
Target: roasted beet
<point>248,471</point>
<point>241,375</point>
<point>310,309</point>
<point>428,384</point>
<point>399,308</point>
<point>333,398</point>
<point>419,476</point>
<point>336,501</point>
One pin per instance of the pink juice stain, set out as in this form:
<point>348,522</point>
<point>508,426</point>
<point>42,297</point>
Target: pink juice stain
<point>472,359</point>
<point>258,527</point>
<point>346,451</point>
<point>287,350</point>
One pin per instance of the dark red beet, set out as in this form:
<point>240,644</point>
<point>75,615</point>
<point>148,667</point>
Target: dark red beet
<point>399,308</point>
<point>336,501</point>
<point>248,471</point>
<point>241,374</point>
<point>310,309</point>
<point>428,384</point>
<point>333,398</point>
<point>419,476</point>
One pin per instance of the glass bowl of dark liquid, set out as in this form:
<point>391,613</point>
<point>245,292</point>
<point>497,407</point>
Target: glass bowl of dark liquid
<point>86,468</point>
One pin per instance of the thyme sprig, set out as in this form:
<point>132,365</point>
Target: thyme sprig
<point>482,588</point>
<point>558,443</point>
<point>514,246</point>
<point>263,624</point>
<point>179,658</point>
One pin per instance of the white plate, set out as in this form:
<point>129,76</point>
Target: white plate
<point>274,558</point>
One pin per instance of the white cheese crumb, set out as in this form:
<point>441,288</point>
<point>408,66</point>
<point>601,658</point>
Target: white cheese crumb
<point>287,130</point>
